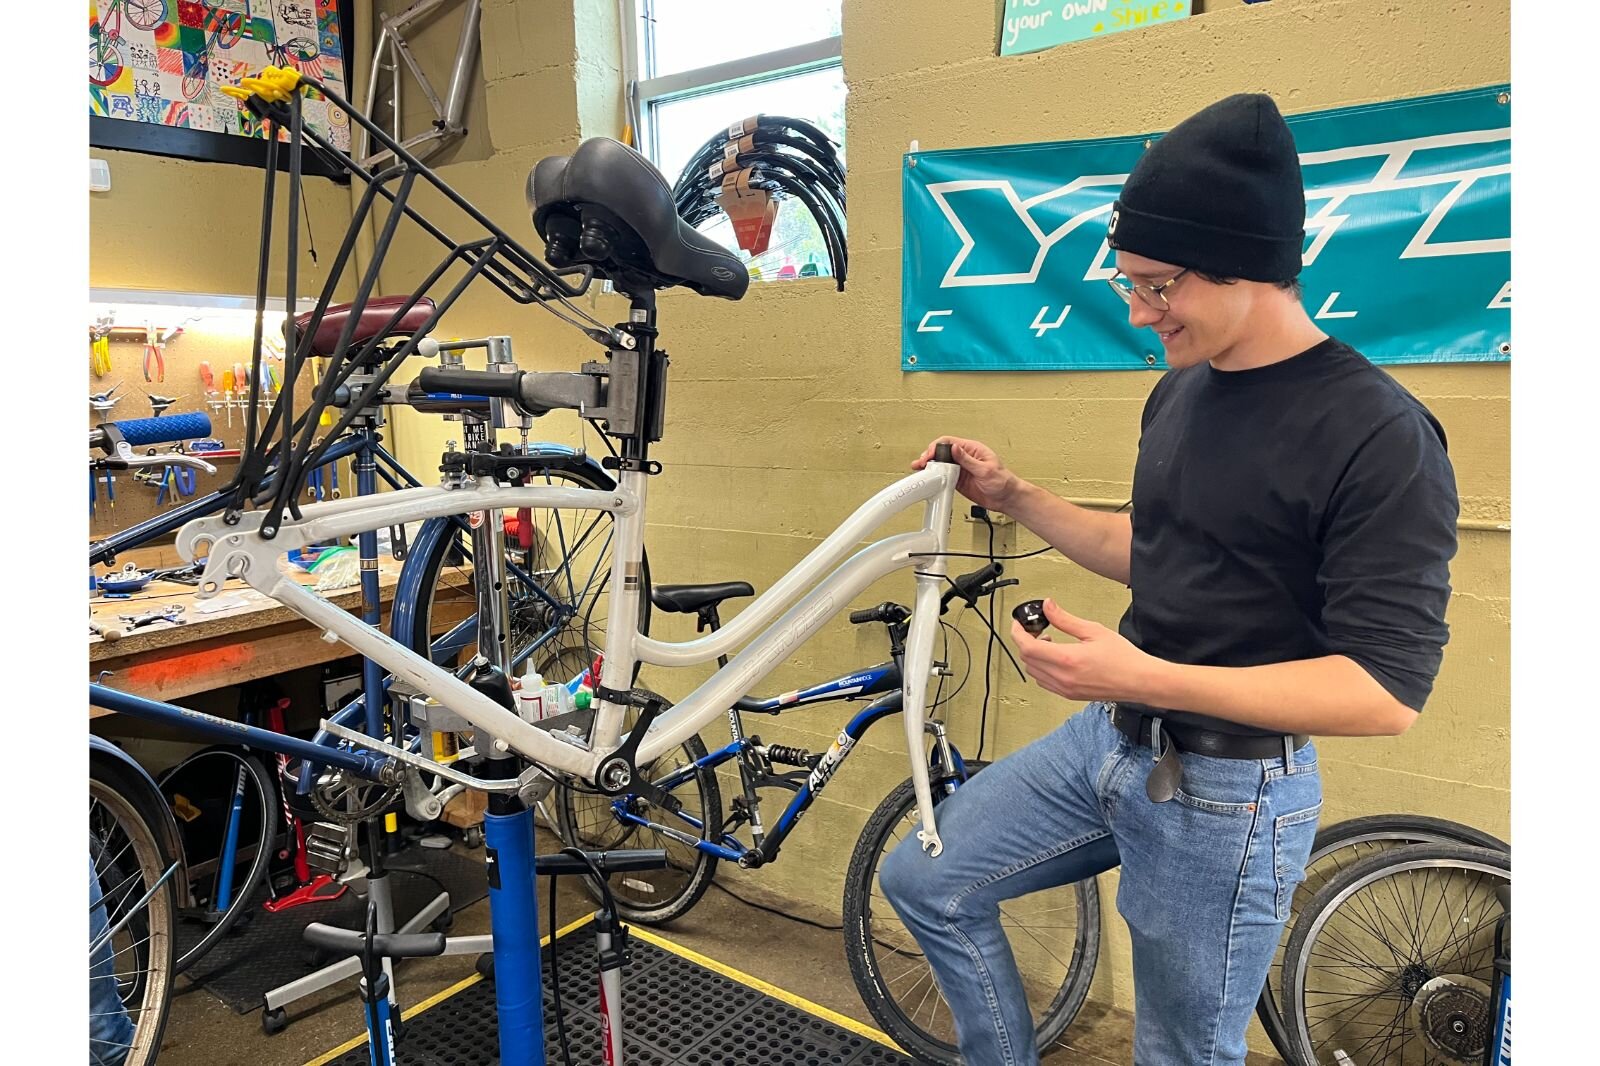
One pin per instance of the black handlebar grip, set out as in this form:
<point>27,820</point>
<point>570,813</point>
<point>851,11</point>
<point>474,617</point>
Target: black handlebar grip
<point>384,945</point>
<point>942,453</point>
<point>1030,616</point>
<point>470,382</point>
<point>859,617</point>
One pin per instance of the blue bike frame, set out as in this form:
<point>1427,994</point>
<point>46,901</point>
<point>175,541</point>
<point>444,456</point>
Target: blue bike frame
<point>883,678</point>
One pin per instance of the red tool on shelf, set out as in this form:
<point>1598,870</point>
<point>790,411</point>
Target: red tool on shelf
<point>322,887</point>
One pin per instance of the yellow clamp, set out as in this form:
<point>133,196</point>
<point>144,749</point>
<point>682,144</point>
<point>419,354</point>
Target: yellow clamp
<point>274,85</point>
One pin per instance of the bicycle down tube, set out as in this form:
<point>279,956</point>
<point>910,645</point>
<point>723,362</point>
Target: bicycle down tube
<point>787,614</point>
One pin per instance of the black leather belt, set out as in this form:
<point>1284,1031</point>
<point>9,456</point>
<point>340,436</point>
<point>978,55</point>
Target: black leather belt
<point>1168,739</point>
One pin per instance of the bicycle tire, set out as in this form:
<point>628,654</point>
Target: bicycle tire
<point>120,804</point>
<point>568,651</point>
<point>861,942</point>
<point>105,60</point>
<point>146,14</point>
<point>260,816</point>
<point>650,897</point>
<point>1351,835</point>
<point>1414,969</point>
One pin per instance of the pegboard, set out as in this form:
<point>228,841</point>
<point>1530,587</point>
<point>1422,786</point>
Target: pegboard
<point>217,342</point>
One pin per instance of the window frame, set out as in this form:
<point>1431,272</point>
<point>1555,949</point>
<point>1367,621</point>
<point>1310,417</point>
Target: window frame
<point>649,91</point>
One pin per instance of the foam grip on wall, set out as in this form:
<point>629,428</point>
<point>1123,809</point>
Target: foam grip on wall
<point>187,426</point>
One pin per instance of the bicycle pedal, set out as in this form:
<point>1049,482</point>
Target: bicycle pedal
<point>328,848</point>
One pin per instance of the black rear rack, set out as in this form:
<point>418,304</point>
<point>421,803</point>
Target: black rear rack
<point>279,454</point>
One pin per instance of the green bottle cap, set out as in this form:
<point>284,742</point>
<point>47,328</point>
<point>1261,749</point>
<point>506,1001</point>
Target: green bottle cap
<point>583,699</point>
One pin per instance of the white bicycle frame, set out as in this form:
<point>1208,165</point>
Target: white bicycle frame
<point>821,586</point>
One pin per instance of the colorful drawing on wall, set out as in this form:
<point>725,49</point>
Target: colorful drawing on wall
<point>165,61</point>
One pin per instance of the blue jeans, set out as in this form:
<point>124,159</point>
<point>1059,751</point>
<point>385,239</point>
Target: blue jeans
<point>110,1029</point>
<point>1205,884</point>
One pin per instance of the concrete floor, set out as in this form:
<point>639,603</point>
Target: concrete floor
<point>202,1031</point>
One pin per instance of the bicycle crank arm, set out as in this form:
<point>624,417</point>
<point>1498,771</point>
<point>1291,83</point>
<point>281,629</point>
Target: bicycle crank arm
<point>529,778</point>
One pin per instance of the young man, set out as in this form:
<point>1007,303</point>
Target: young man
<point>1293,520</point>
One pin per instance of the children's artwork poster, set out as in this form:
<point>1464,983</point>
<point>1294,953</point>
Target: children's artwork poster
<point>166,61</point>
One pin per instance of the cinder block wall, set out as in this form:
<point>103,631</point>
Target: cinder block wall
<point>789,408</point>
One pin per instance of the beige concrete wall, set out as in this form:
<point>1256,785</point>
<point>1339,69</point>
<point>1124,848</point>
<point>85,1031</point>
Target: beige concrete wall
<point>182,226</point>
<point>789,408</point>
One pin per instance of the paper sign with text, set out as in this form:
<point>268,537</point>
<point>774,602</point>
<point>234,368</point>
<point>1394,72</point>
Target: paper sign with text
<point>1030,25</point>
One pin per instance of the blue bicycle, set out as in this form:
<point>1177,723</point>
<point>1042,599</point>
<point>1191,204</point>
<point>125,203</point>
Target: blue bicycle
<point>1055,934</point>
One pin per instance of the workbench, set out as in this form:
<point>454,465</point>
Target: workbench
<point>255,637</point>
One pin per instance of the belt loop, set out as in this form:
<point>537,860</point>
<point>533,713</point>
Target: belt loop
<point>1288,752</point>
<point>1155,738</point>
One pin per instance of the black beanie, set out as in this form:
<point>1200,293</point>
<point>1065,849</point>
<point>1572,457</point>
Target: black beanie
<point>1221,194</point>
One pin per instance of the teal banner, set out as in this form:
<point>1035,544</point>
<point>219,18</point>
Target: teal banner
<point>1407,254</point>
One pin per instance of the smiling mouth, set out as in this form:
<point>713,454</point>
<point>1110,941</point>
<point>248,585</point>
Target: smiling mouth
<point>1167,335</point>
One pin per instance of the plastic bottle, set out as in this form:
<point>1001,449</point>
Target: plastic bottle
<point>530,696</point>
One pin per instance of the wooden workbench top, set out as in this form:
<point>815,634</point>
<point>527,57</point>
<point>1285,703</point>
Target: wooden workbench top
<point>253,638</point>
<point>252,611</point>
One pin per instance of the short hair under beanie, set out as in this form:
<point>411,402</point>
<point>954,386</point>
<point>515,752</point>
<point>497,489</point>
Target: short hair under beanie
<point>1220,194</point>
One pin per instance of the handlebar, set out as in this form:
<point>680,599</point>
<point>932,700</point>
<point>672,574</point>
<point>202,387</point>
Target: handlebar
<point>967,587</point>
<point>384,945</point>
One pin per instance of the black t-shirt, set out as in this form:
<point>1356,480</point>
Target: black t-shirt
<point>1296,510</point>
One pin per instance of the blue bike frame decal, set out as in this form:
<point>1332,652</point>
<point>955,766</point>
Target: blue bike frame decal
<point>869,682</point>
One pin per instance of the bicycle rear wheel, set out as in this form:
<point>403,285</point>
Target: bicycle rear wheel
<point>589,820</point>
<point>1392,960</point>
<point>1337,847</point>
<point>133,914</point>
<point>209,792</point>
<point>558,587</point>
<point>1054,935</point>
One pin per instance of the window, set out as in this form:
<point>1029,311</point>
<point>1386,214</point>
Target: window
<point>697,76</point>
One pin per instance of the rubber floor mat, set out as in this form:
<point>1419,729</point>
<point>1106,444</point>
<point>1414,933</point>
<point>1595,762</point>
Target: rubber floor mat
<point>270,950</point>
<point>674,1011</point>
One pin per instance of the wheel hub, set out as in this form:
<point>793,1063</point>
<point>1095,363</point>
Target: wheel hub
<point>1413,977</point>
<point>1452,1014</point>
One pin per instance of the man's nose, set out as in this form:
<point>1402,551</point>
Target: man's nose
<point>1142,315</point>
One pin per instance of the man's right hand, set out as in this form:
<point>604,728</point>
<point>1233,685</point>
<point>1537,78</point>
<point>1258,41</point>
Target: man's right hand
<point>984,478</point>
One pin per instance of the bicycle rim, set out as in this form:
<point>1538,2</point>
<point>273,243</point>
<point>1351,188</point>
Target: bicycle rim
<point>1338,847</point>
<point>130,865</point>
<point>200,791</point>
<point>1054,936</point>
<point>589,820</point>
<point>1390,947</point>
<point>558,589</point>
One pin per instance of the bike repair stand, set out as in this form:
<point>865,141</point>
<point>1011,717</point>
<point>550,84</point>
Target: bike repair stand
<point>374,845</point>
<point>508,825</point>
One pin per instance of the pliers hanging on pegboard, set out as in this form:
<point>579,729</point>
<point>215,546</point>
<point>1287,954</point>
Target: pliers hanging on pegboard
<point>152,350</point>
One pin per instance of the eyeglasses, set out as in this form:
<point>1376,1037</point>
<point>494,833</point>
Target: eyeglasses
<point>1154,295</point>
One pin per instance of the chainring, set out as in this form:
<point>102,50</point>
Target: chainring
<point>351,801</point>
<point>1451,1013</point>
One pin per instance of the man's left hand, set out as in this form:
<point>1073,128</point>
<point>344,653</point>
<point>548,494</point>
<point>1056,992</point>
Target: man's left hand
<point>1102,665</point>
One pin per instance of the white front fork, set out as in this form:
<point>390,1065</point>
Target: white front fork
<point>919,662</point>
